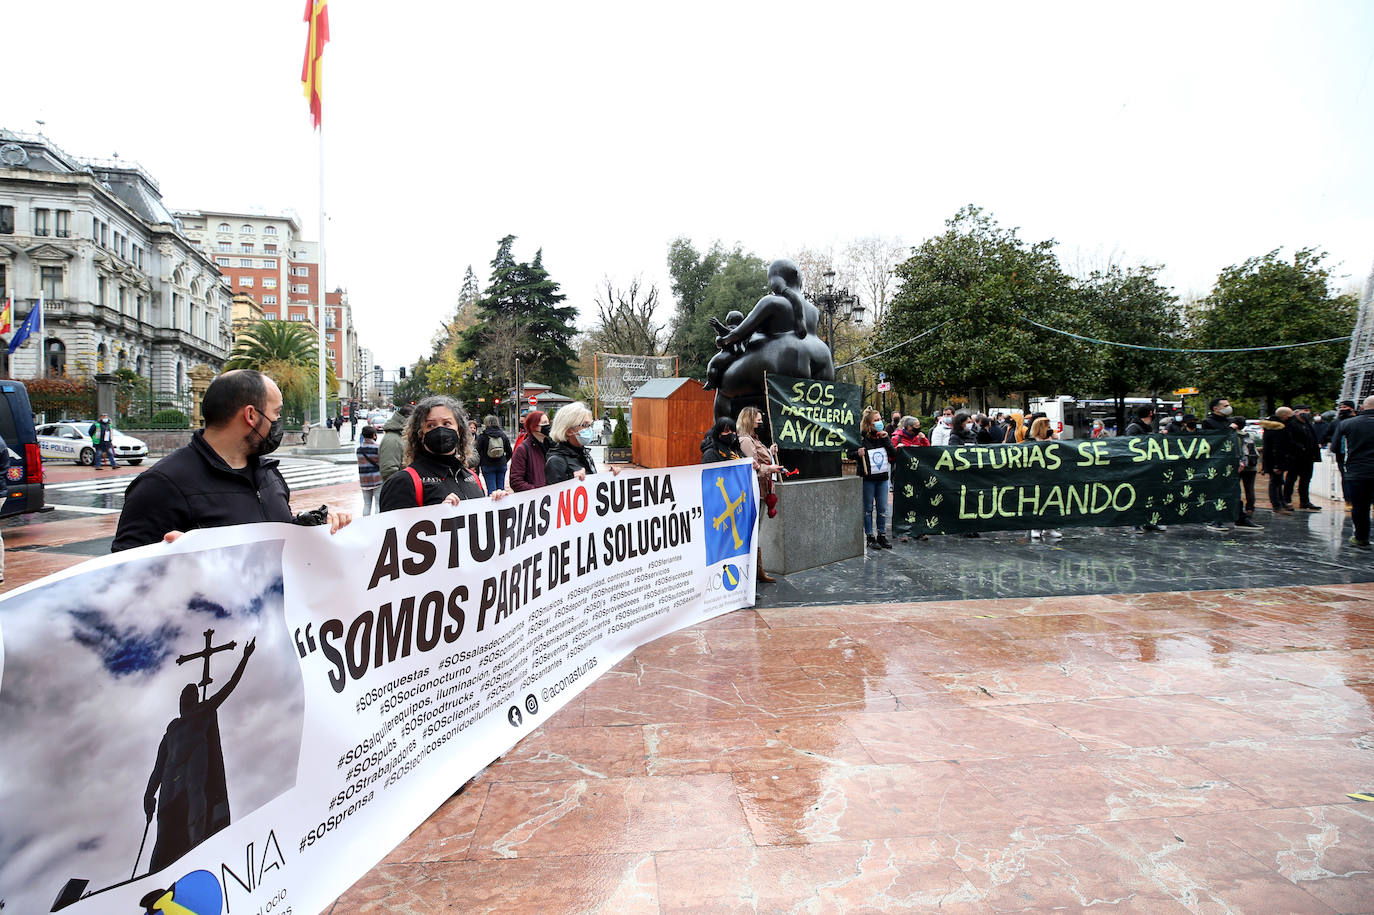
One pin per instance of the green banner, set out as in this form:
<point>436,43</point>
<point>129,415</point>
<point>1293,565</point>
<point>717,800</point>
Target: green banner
<point>811,415</point>
<point>1140,479</point>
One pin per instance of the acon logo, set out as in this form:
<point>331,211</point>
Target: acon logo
<point>198,893</point>
<point>727,579</point>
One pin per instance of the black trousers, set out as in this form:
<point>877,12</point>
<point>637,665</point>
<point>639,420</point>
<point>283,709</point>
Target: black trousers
<point>1276,482</point>
<point>1304,483</point>
<point>1247,485</point>
<point>1361,495</point>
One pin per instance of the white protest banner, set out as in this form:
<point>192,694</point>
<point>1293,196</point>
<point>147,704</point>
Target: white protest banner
<point>247,720</point>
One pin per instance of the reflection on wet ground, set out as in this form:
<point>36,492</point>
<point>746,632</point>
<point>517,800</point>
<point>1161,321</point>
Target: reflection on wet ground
<point>1302,548</point>
<point>1191,751</point>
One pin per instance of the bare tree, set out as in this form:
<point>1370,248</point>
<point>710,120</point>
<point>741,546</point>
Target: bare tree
<point>873,261</point>
<point>625,321</point>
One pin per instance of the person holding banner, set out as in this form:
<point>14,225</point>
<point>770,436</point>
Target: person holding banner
<point>438,444</point>
<point>223,477</point>
<point>569,457</point>
<point>752,447</point>
<point>874,456</point>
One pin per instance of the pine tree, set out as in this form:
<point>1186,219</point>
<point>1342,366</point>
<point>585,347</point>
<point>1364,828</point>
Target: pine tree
<point>521,316</point>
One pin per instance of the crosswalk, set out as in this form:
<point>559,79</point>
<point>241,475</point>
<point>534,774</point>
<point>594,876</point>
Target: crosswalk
<point>300,473</point>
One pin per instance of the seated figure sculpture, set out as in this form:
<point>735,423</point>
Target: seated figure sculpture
<point>778,335</point>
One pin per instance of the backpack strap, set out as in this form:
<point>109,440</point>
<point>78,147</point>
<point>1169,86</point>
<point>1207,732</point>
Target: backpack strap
<point>419,490</point>
<point>478,480</point>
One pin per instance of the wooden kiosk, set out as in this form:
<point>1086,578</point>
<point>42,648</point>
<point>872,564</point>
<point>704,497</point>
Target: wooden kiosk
<point>670,416</point>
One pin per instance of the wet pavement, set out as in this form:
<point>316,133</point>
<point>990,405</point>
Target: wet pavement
<point>1117,722</point>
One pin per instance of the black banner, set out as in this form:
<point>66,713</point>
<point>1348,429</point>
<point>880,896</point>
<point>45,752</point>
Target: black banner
<point>1140,479</point>
<point>810,415</point>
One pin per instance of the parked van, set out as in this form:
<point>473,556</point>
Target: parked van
<point>24,478</point>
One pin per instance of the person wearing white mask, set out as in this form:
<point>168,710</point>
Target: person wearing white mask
<point>945,425</point>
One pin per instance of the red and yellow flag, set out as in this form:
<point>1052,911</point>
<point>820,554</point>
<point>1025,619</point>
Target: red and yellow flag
<point>7,315</point>
<point>318,16</point>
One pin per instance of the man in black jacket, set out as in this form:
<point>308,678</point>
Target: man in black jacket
<point>1306,452</point>
<point>1218,419</point>
<point>1354,438</point>
<point>221,477</point>
<point>1142,424</point>
<point>1276,457</point>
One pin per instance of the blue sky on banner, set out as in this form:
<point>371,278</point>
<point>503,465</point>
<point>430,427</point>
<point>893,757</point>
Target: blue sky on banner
<point>1193,135</point>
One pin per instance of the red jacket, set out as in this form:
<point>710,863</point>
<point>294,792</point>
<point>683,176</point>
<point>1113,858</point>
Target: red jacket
<point>527,465</point>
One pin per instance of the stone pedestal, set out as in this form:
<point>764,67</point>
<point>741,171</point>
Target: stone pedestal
<point>105,396</point>
<point>323,438</point>
<point>819,521</point>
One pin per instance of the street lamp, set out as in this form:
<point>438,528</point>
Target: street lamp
<point>832,300</point>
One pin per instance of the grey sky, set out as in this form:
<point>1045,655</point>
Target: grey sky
<point>1190,134</point>
<point>77,742</point>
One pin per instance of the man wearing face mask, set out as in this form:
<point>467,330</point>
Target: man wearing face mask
<point>1218,419</point>
<point>943,428</point>
<point>223,477</point>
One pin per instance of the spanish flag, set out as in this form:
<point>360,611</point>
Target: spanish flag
<point>318,16</point>
<point>7,315</point>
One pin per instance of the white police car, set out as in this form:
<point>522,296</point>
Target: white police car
<point>71,441</point>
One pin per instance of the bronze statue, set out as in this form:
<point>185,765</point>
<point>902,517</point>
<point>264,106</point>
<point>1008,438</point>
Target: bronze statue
<point>778,335</point>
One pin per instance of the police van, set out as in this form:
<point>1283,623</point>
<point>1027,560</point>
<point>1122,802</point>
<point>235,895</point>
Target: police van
<point>24,476</point>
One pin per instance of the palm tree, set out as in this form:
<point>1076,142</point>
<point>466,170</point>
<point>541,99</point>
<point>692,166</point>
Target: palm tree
<point>286,352</point>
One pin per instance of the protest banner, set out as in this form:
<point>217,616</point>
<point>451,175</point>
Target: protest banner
<point>618,377</point>
<point>807,414</point>
<point>272,709</point>
<point>1143,479</point>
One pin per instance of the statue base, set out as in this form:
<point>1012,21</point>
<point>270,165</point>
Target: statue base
<point>818,522</point>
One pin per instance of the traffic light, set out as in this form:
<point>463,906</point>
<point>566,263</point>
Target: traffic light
<point>403,371</point>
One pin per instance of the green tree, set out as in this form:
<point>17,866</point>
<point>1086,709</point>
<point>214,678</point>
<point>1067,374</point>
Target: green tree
<point>1266,301</point>
<point>984,281</point>
<point>1130,306</point>
<point>286,352</point>
<point>521,315</point>
<point>415,386</point>
<point>736,282</point>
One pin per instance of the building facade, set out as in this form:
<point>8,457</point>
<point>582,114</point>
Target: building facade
<point>263,256</point>
<point>122,286</point>
<point>1359,365</point>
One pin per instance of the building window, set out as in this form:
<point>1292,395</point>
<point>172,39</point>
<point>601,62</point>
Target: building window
<point>225,246</point>
<point>123,247</point>
<point>104,235</point>
<point>245,262</point>
<point>64,223</point>
<point>298,317</point>
<point>123,300</point>
<point>269,282</point>
<point>245,230</point>
<point>246,248</point>
<point>269,249</point>
<point>224,227</point>
<point>300,287</point>
<point>269,230</point>
<point>6,220</point>
<point>100,290</point>
<point>269,300</point>
<point>222,261</point>
<point>119,241</point>
<point>269,263</point>
<point>138,257</point>
<point>300,271</point>
<point>40,222</point>
<point>245,281</point>
<point>139,303</point>
<point>56,353</point>
<point>50,281</point>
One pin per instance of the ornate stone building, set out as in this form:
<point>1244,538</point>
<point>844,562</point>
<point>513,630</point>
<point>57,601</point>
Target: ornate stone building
<point>122,285</point>
<point>1359,365</point>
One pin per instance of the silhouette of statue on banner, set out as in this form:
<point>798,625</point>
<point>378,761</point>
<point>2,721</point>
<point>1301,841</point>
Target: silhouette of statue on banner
<point>779,335</point>
<point>187,786</point>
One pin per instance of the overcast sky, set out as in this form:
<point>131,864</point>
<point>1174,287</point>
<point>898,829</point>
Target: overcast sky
<point>1192,135</point>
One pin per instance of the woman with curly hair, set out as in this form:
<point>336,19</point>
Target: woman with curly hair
<point>438,444</point>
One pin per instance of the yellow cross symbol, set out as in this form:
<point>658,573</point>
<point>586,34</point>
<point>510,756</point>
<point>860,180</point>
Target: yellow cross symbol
<point>730,508</point>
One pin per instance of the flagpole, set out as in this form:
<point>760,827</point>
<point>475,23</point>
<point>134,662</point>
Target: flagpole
<point>319,307</point>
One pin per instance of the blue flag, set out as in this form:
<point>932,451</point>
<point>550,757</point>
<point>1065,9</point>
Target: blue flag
<point>32,324</point>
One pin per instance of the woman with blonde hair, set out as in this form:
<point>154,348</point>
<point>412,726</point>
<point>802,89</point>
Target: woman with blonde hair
<point>765,465</point>
<point>570,457</point>
<point>1042,430</point>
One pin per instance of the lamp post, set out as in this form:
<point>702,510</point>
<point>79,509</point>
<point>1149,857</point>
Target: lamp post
<point>832,300</point>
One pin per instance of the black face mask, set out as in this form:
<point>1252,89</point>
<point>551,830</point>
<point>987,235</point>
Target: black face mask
<point>441,440</point>
<point>545,429</point>
<point>269,442</point>
<point>730,442</point>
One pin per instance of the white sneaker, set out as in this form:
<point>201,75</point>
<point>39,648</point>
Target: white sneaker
<point>1035,535</point>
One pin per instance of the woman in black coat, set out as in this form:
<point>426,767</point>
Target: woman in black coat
<point>875,456</point>
<point>722,443</point>
<point>569,457</point>
<point>437,445</point>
